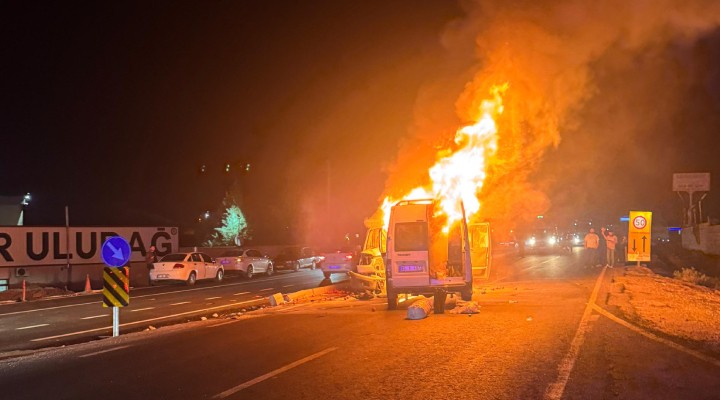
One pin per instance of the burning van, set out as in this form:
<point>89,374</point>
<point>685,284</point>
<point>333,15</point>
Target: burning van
<point>424,255</point>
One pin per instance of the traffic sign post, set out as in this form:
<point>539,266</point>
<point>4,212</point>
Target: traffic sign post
<point>116,281</point>
<point>639,236</point>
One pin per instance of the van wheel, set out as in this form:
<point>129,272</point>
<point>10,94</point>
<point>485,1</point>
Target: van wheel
<point>270,269</point>
<point>296,267</point>
<point>392,300</point>
<point>466,294</point>
<point>439,302</point>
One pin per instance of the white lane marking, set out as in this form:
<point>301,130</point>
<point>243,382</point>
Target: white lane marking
<point>241,293</point>
<point>49,308</point>
<point>213,298</point>
<point>224,323</point>
<point>180,303</point>
<point>140,322</point>
<point>143,309</point>
<point>96,316</point>
<point>274,278</point>
<point>288,285</point>
<point>31,326</point>
<point>266,289</point>
<point>649,335</point>
<point>557,388</point>
<point>102,351</point>
<point>271,374</point>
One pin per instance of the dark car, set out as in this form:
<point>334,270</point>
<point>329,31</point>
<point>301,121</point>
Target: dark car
<point>296,257</point>
<point>542,241</point>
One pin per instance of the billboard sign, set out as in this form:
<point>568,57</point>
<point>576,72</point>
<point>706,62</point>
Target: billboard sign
<point>35,246</point>
<point>691,182</point>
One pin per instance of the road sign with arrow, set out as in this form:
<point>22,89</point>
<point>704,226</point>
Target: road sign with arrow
<point>639,236</point>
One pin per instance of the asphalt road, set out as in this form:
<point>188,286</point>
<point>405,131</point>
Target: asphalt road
<point>539,334</point>
<point>68,320</point>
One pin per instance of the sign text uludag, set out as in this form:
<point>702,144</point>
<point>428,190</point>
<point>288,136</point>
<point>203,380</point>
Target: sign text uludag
<point>691,182</point>
<point>27,246</point>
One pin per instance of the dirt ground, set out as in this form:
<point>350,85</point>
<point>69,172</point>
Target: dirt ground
<point>33,292</point>
<point>667,306</point>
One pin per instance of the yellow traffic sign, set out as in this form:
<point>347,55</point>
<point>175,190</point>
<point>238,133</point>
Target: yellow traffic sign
<point>116,287</point>
<point>639,236</point>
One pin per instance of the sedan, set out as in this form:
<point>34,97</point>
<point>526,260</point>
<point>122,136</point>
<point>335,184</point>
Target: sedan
<point>248,261</point>
<point>186,267</point>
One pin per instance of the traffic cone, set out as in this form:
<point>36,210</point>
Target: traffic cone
<point>88,289</point>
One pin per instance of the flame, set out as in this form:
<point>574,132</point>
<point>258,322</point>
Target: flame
<point>459,173</point>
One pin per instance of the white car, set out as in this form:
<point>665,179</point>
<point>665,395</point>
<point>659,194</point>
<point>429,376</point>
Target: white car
<point>247,261</point>
<point>186,267</point>
<point>337,262</point>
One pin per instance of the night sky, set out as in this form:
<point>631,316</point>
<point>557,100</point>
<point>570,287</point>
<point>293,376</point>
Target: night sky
<point>110,108</point>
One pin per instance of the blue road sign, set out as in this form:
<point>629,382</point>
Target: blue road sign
<point>115,251</point>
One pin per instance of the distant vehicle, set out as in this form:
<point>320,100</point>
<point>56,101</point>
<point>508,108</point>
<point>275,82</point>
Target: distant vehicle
<point>543,240</point>
<point>336,262</point>
<point>295,257</point>
<point>248,261</point>
<point>186,267</point>
<point>575,239</point>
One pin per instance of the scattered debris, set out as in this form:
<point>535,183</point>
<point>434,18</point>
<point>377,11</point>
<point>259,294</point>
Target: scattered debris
<point>469,307</point>
<point>215,315</point>
<point>419,309</point>
<point>512,301</point>
<point>203,318</point>
<point>276,300</point>
<point>528,319</point>
<point>151,328</point>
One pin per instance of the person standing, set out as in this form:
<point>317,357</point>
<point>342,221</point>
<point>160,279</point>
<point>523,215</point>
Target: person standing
<point>150,258</point>
<point>610,241</point>
<point>591,242</point>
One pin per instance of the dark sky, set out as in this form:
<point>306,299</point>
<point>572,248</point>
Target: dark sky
<point>110,108</point>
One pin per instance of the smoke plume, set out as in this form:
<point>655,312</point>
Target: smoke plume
<point>550,53</point>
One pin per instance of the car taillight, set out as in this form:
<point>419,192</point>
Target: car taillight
<point>178,266</point>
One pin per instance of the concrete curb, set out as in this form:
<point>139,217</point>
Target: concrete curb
<point>316,291</point>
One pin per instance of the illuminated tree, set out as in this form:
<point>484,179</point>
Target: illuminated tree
<point>234,227</point>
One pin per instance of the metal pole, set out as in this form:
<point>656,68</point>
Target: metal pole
<point>67,245</point>
<point>116,321</point>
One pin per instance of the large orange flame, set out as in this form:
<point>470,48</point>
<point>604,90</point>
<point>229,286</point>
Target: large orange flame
<point>459,172</point>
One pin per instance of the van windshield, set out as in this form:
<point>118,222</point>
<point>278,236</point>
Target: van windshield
<point>411,236</point>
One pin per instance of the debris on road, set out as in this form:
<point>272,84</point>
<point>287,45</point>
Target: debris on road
<point>276,300</point>
<point>420,309</point>
<point>469,307</point>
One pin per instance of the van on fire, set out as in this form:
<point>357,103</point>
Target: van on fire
<point>423,257</point>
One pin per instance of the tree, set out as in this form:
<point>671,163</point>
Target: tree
<point>234,228</point>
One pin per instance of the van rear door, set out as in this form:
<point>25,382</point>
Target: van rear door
<point>408,245</point>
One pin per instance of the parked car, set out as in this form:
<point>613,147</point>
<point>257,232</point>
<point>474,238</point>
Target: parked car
<point>296,257</point>
<point>338,261</point>
<point>186,267</point>
<point>247,261</point>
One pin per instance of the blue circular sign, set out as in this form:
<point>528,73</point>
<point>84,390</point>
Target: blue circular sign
<point>115,251</point>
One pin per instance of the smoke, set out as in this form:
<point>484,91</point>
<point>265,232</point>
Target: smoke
<point>550,53</point>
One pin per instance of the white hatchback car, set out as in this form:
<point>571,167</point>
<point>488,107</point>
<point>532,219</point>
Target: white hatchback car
<point>186,267</point>
<point>247,261</point>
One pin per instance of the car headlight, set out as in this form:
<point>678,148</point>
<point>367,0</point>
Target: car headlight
<point>531,241</point>
<point>552,240</point>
